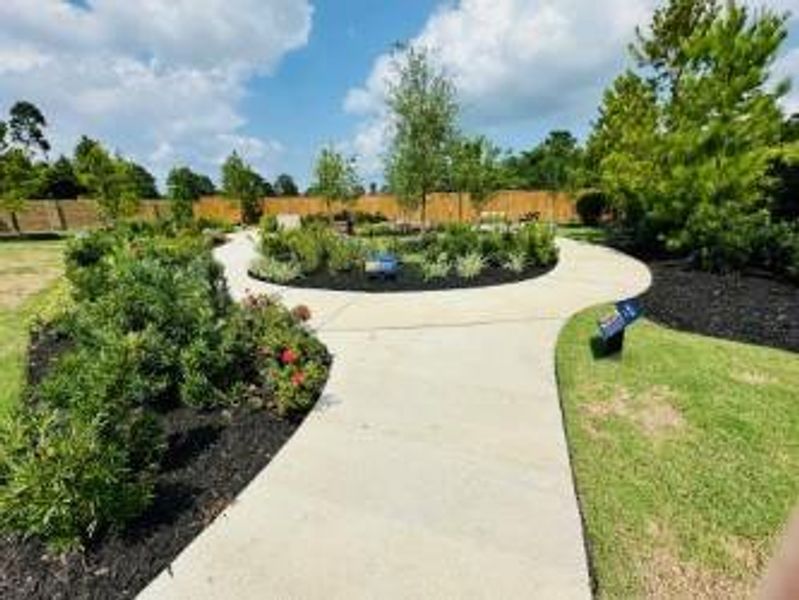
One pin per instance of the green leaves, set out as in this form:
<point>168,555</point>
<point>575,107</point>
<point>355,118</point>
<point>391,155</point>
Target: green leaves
<point>423,109</point>
<point>240,182</point>
<point>336,178</point>
<point>698,135</point>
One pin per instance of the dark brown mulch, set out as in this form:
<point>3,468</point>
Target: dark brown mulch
<point>211,457</point>
<point>409,280</point>
<point>751,308</point>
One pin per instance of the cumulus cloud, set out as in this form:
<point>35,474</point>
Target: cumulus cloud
<point>517,61</point>
<point>156,79</point>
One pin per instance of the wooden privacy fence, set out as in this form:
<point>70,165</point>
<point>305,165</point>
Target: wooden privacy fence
<point>62,215</point>
<point>441,208</point>
<point>40,216</point>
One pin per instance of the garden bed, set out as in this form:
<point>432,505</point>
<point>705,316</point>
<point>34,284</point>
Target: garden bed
<point>211,456</point>
<point>409,280</point>
<point>748,308</point>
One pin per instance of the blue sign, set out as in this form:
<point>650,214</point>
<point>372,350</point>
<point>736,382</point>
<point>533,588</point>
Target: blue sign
<point>382,264</point>
<point>630,310</point>
<point>612,325</point>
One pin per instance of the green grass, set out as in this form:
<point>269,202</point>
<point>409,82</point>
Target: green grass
<point>686,457</point>
<point>30,274</point>
<point>583,233</point>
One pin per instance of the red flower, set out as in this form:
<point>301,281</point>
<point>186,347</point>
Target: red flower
<point>288,356</point>
<point>298,379</point>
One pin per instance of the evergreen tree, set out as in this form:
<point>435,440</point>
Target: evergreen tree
<point>241,183</point>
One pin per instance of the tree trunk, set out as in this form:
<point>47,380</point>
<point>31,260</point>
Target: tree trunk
<point>460,207</point>
<point>15,223</point>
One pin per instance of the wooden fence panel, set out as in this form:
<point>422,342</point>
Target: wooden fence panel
<point>56,215</point>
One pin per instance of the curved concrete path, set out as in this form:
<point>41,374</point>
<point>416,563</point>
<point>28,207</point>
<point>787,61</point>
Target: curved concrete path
<point>435,464</point>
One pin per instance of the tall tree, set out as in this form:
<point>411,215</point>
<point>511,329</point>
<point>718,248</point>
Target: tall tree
<point>694,153</point>
<point>624,147</point>
<point>241,183</point>
<point>142,181</point>
<point>336,179</point>
<point>423,113</point>
<point>110,182</point>
<point>17,181</point>
<point>555,164</point>
<point>183,190</point>
<point>59,181</point>
<point>26,127</point>
<point>475,170</point>
<point>664,48</point>
<point>285,186</point>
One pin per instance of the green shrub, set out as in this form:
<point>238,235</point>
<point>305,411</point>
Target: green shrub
<point>342,254</point>
<point>592,205</point>
<point>437,268</point>
<point>68,474</point>
<point>294,364</point>
<point>537,242</point>
<point>470,265</point>
<point>516,262</point>
<point>269,225</point>
<point>277,271</point>
<point>457,240</point>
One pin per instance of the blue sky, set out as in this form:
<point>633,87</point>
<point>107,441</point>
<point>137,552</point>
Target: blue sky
<point>170,82</point>
<point>301,104</point>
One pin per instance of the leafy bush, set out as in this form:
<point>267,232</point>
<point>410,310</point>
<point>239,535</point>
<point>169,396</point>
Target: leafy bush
<point>271,269</point>
<point>537,242</point>
<point>342,254</point>
<point>470,265</point>
<point>64,478</point>
<point>152,326</point>
<point>516,262</point>
<point>592,205</point>
<point>269,225</point>
<point>437,268</point>
<point>294,364</point>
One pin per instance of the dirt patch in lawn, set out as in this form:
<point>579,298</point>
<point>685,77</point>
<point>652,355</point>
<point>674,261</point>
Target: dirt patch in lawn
<point>652,412</point>
<point>27,268</point>
<point>667,577</point>
<point>748,308</point>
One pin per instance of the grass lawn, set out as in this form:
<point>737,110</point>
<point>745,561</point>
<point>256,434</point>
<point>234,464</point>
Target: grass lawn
<point>686,457</point>
<point>584,233</point>
<point>29,272</point>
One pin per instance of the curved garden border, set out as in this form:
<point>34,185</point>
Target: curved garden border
<point>350,282</point>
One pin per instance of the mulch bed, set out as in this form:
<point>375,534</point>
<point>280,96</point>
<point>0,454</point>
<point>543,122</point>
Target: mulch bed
<point>211,457</point>
<point>409,280</point>
<point>751,307</point>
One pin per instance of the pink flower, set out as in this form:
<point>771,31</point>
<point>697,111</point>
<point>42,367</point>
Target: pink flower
<point>298,379</point>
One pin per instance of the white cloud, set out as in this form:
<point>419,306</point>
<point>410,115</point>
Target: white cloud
<point>516,62</point>
<point>156,79</point>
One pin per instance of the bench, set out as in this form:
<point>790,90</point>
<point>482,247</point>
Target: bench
<point>613,326</point>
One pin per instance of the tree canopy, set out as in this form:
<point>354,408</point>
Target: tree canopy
<point>336,179</point>
<point>285,186</point>
<point>242,183</point>
<point>423,114</point>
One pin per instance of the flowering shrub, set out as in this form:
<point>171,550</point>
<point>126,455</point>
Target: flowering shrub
<point>152,327</point>
<point>292,362</point>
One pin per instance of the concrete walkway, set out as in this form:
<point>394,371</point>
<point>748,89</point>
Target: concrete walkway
<point>435,465</point>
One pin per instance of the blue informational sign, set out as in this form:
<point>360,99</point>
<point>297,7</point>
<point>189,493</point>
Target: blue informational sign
<point>382,264</point>
<point>612,325</point>
<point>630,310</point>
